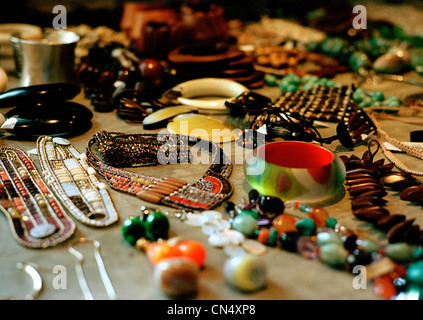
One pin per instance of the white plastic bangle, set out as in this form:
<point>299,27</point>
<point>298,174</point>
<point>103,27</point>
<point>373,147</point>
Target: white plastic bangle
<point>208,93</point>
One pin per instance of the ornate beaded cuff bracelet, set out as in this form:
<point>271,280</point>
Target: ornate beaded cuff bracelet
<point>134,150</point>
<point>35,215</point>
<point>75,183</point>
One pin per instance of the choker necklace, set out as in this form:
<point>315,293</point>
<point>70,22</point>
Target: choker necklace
<point>119,150</point>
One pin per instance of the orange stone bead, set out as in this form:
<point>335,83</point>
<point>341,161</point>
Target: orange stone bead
<point>157,251</point>
<point>319,215</point>
<point>192,249</point>
<point>284,223</point>
<point>384,287</point>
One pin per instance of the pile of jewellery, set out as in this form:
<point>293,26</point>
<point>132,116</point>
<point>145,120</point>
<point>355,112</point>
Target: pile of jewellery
<point>120,150</point>
<point>75,183</point>
<point>36,217</point>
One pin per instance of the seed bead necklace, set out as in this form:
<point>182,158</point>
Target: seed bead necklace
<point>119,150</point>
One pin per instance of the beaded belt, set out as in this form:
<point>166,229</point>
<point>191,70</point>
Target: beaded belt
<point>120,150</point>
<point>36,217</point>
<point>75,183</point>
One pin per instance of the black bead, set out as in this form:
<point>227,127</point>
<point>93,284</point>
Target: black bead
<point>229,206</point>
<point>253,195</point>
<point>289,240</point>
<point>350,243</point>
<point>271,204</point>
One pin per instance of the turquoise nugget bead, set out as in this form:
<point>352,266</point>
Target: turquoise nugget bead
<point>306,227</point>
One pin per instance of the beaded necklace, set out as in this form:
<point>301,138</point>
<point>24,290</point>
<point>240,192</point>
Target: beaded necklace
<point>35,215</point>
<point>69,175</point>
<point>134,150</point>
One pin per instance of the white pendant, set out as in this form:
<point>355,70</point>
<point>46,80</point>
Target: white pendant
<point>42,231</point>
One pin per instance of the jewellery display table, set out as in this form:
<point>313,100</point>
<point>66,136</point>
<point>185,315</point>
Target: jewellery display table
<point>289,275</point>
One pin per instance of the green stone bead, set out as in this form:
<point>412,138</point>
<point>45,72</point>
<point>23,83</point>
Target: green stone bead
<point>401,252</point>
<point>415,273</point>
<point>368,245</point>
<point>418,254</point>
<point>358,60</point>
<point>306,227</point>
<point>133,229</point>
<point>331,223</point>
<point>157,226</point>
<point>333,254</point>
<point>271,80</point>
<point>245,224</point>
<point>327,237</point>
<point>378,96</point>
<point>252,213</point>
<point>291,88</point>
<point>359,95</point>
<point>273,237</point>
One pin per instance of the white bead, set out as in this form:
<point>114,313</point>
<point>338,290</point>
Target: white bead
<point>91,171</point>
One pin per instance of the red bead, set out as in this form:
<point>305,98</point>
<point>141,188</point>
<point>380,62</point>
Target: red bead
<point>384,287</point>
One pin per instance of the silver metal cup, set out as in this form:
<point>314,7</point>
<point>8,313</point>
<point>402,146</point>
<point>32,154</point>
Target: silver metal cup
<point>50,59</point>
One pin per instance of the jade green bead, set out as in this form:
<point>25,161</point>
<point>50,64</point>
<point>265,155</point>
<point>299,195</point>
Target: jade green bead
<point>291,88</point>
<point>368,245</point>
<point>331,222</point>
<point>359,95</point>
<point>245,224</point>
<point>418,254</point>
<point>415,273</point>
<point>399,252</point>
<point>133,229</point>
<point>270,80</point>
<point>358,60</point>
<point>333,254</point>
<point>327,237</point>
<point>252,213</point>
<point>378,96</point>
<point>157,226</point>
<point>306,227</point>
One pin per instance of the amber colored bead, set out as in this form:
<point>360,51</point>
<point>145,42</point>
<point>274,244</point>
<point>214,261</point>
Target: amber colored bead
<point>319,216</point>
<point>384,287</point>
<point>284,223</point>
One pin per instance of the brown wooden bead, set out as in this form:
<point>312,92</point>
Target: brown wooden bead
<point>396,233</point>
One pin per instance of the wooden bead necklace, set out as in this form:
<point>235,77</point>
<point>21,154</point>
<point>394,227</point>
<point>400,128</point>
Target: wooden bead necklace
<point>134,150</point>
<point>36,217</point>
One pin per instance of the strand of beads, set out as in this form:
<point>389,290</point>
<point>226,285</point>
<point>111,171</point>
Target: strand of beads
<point>318,236</point>
<point>177,262</point>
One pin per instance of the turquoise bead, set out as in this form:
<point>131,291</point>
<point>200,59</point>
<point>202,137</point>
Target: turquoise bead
<point>245,224</point>
<point>399,252</point>
<point>331,223</point>
<point>359,95</point>
<point>378,96</point>
<point>273,237</point>
<point>157,226</point>
<point>415,272</point>
<point>358,60</point>
<point>133,229</point>
<point>418,254</point>
<point>333,254</point>
<point>306,227</point>
<point>271,80</point>
<point>291,88</point>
